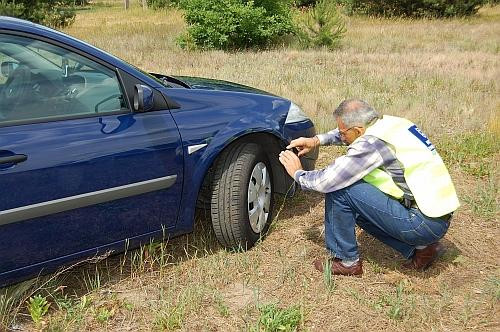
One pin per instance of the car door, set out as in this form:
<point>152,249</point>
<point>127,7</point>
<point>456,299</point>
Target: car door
<point>78,170</point>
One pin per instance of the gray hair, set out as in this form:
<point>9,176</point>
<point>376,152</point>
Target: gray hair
<point>356,113</point>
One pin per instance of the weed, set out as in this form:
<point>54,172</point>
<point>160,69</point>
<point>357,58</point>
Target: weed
<point>465,317</point>
<point>222,307</point>
<point>355,294</point>
<point>375,266</point>
<point>484,201</point>
<point>272,318</point>
<point>38,306</point>
<point>493,288</point>
<point>496,288</point>
<point>91,281</point>
<point>171,315</point>
<point>103,314</point>
<point>74,312</point>
<point>472,151</point>
<point>129,306</point>
<point>395,305</point>
<point>64,302</point>
<point>84,302</point>
<point>10,297</point>
<point>328,277</point>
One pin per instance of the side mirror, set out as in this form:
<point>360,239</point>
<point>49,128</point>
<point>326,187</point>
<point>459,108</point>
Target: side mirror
<point>143,98</point>
<point>7,67</point>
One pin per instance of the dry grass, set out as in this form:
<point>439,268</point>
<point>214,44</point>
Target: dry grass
<point>442,74</point>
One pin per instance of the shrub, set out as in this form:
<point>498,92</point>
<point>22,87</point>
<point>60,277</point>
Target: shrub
<point>11,9</point>
<point>305,3</point>
<point>414,8</point>
<point>322,26</point>
<point>235,24</point>
<point>158,4</point>
<point>57,13</point>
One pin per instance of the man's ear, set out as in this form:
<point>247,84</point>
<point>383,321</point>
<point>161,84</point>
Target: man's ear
<point>360,130</point>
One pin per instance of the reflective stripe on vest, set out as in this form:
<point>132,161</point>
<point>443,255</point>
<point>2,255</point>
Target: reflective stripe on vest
<point>424,170</point>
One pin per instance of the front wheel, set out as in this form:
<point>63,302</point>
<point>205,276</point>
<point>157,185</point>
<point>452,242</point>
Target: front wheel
<point>242,196</point>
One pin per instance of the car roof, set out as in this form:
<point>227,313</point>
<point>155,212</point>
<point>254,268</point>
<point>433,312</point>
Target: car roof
<point>19,25</point>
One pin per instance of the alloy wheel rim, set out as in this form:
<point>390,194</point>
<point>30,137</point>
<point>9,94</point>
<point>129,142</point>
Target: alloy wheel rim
<point>259,197</point>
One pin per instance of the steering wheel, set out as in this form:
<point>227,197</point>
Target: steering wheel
<point>17,86</point>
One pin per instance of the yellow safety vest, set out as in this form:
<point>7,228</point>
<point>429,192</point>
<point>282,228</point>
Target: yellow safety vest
<point>424,170</point>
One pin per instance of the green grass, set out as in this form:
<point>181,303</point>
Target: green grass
<point>103,314</point>
<point>396,304</point>
<point>173,310</point>
<point>328,276</point>
<point>494,288</point>
<point>484,200</point>
<point>274,319</point>
<point>476,154</point>
<point>473,152</point>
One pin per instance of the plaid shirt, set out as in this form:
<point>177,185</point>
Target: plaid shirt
<point>363,156</point>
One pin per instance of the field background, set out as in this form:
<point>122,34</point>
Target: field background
<point>442,74</point>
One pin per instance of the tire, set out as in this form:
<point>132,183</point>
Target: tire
<point>242,196</point>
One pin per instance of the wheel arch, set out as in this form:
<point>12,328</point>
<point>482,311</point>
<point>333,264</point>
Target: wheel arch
<point>196,184</point>
<point>272,145</point>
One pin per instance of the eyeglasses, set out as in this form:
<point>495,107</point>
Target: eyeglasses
<point>344,132</point>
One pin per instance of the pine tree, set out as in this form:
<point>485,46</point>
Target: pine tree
<point>322,26</point>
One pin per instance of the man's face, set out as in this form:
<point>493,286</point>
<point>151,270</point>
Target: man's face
<point>349,135</point>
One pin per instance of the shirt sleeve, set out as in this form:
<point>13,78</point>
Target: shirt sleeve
<point>361,158</point>
<point>330,138</point>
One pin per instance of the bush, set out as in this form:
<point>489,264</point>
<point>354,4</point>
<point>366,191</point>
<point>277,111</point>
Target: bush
<point>57,13</point>
<point>235,24</point>
<point>158,4</point>
<point>322,26</point>
<point>11,9</point>
<point>414,8</point>
<point>305,3</point>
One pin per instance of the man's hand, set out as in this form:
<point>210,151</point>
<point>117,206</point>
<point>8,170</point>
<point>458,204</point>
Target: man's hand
<point>304,144</point>
<point>290,161</point>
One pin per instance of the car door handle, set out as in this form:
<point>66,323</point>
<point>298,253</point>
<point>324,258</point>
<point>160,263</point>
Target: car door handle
<point>14,159</point>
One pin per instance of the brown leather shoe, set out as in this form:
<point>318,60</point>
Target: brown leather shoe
<point>338,268</point>
<point>423,258</point>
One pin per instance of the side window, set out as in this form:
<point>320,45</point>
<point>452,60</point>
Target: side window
<point>39,80</point>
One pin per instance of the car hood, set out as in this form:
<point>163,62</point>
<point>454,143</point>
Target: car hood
<point>210,84</point>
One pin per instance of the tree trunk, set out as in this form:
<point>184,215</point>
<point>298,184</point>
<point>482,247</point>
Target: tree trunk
<point>126,4</point>
<point>144,4</point>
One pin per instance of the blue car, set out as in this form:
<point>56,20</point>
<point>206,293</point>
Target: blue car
<point>97,155</point>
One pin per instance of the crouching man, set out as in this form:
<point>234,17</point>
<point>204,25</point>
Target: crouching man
<point>391,182</point>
